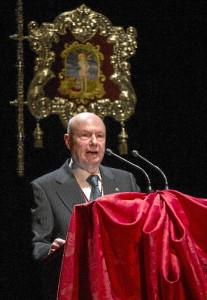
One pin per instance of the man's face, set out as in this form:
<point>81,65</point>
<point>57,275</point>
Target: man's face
<point>87,143</point>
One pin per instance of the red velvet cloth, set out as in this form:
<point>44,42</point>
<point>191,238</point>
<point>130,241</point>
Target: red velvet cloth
<point>136,246</point>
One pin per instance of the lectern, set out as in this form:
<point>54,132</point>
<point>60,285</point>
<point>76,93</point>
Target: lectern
<point>136,246</point>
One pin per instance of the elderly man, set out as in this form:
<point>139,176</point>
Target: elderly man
<point>56,193</point>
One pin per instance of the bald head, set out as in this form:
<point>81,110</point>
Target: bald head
<point>81,118</point>
<point>85,138</point>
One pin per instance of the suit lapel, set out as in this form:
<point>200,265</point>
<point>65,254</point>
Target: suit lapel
<point>109,182</point>
<point>70,194</point>
<point>68,191</point>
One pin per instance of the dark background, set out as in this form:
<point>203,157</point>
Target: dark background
<point>168,127</point>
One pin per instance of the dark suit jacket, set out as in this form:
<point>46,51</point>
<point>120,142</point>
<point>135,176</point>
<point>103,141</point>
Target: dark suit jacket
<point>55,195</point>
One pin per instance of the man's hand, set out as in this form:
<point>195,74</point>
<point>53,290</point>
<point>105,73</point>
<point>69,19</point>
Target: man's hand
<point>56,244</point>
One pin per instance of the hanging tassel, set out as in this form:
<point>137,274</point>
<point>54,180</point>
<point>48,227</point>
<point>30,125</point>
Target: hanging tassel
<point>38,134</point>
<point>123,136</point>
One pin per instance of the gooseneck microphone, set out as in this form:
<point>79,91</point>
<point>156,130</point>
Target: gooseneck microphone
<point>110,152</point>
<point>135,153</point>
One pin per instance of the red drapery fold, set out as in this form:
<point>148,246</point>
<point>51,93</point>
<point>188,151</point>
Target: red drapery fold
<point>136,246</point>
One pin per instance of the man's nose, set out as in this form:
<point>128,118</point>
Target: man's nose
<point>93,140</point>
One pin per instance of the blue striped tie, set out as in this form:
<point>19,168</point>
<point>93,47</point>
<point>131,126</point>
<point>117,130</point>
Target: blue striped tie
<point>95,191</point>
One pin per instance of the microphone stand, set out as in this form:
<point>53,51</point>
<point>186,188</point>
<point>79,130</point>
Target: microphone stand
<point>110,152</point>
<point>136,154</point>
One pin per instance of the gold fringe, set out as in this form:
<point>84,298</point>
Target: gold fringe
<point>38,134</point>
<point>123,136</point>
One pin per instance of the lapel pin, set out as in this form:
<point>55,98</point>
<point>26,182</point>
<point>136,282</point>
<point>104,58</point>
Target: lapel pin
<point>117,189</point>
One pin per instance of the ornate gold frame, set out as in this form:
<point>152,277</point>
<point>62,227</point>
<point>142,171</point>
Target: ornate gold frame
<point>81,31</point>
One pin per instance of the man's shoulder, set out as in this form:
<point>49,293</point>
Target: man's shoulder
<point>53,175</point>
<point>46,177</point>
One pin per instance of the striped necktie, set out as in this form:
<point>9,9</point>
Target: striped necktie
<point>95,191</point>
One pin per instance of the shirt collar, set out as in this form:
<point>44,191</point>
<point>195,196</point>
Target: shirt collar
<point>80,174</point>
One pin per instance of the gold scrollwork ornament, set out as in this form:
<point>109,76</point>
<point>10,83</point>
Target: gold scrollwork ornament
<point>82,42</point>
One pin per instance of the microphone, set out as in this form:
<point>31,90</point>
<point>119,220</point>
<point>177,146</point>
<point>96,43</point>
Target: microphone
<point>136,154</point>
<point>110,152</point>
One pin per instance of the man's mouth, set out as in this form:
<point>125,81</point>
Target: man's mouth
<point>92,152</point>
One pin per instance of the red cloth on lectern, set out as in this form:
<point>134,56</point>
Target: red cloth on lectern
<point>136,246</point>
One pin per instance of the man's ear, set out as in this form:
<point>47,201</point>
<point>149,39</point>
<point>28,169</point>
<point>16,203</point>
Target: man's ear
<point>67,141</point>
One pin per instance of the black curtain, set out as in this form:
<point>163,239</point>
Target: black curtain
<point>168,127</point>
